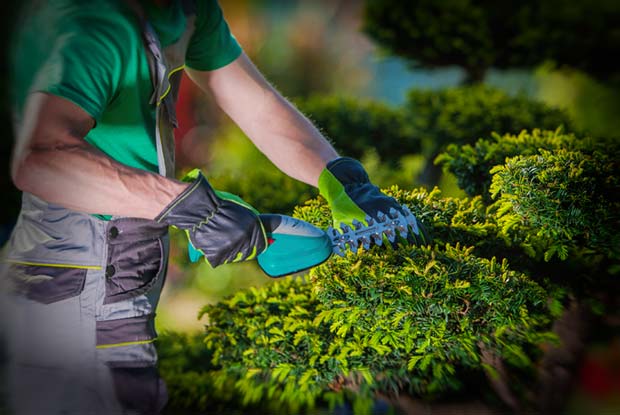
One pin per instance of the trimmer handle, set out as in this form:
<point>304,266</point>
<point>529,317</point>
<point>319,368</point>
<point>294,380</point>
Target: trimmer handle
<point>294,246</point>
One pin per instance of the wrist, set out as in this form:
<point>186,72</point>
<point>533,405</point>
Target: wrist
<point>338,173</point>
<point>195,200</point>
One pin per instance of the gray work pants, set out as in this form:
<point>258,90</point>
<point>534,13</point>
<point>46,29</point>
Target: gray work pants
<point>78,307</point>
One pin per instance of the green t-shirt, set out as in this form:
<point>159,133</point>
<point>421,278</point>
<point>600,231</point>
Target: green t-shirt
<point>92,53</point>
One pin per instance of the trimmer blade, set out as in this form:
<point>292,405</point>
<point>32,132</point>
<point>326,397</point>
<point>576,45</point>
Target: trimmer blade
<point>361,235</point>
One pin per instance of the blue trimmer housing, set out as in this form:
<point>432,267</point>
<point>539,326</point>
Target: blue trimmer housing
<point>194,254</point>
<point>294,246</point>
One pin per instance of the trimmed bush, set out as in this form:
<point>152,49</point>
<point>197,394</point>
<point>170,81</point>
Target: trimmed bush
<point>564,203</point>
<point>464,114</point>
<point>429,121</point>
<point>411,324</point>
<point>402,320</point>
<point>465,318</point>
<point>472,163</point>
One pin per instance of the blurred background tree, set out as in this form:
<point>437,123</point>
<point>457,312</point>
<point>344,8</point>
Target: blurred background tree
<point>480,34</point>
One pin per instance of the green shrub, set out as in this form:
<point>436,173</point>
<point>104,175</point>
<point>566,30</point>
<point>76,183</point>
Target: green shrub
<point>411,322</point>
<point>562,202</point>
<point>449,220</point>
<point>556,201</point>
<point>477,35</point>
<point>407,319</point>
<point>472,163</point>
<point>356,126</point>
<point>429,121</point>
<point>422,321</point>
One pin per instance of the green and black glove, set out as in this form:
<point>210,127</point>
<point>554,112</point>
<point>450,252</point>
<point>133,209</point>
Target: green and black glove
<point>219,225</point>
<point>351,196</point>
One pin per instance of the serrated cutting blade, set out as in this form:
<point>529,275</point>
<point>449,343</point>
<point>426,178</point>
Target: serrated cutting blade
<point>389,225</point>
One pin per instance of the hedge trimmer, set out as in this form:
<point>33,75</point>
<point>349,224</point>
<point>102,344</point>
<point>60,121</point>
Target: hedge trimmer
<point>295,245</point>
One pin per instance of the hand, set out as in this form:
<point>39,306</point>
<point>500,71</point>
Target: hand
<point>351,196</point>
<point>219,225</point>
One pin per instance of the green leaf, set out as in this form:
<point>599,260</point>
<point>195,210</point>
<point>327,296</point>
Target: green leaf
<point>413,361</point>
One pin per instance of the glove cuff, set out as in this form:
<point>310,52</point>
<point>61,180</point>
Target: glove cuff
<point>338,175</point>
<point>198,201</point>
<point>348,171</point>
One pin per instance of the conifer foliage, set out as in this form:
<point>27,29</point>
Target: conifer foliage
<point>420,321</point>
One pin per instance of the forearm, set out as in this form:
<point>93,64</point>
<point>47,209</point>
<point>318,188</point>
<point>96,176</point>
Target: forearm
<point>81,178</point>
<point>53,161</point>
<point>277,128</point>
<point>289,139</point>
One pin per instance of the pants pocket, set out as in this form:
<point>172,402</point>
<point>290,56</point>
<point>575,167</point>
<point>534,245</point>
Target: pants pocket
<point>47,284</point>
<point>134,266</point>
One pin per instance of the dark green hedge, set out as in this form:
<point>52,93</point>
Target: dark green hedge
<point>427,123</point>
<point>464,114</point>
<point>438,322</point>
<point>472,163</point>
<point>562,202</point>
<point>408,319</point>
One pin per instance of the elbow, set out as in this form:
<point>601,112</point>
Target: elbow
<point>21,169</point>
<point>18,175</point>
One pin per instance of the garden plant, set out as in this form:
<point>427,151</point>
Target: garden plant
<point>428,121</point>
<point>492,315</point>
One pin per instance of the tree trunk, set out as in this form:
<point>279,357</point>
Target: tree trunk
<point>474,76</point>
<point>556,374</point>
<point>431,173</point>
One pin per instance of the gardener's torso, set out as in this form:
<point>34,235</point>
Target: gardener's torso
<point>94,54</point>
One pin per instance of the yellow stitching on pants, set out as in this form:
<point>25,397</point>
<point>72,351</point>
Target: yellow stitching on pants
<point>42,264</point>
<point>109,346</point>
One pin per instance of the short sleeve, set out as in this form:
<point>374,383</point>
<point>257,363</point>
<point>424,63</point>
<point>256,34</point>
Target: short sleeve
<point>212,46</point>
<point>85,64</point>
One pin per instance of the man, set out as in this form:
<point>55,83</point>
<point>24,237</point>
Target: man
<point>94,87</point>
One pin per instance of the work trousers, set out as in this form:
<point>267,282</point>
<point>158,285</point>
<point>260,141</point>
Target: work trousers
<point>78,306</point>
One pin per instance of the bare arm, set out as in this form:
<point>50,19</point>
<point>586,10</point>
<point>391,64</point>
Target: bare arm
<point>53,161</point>
<point>273,124</point>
